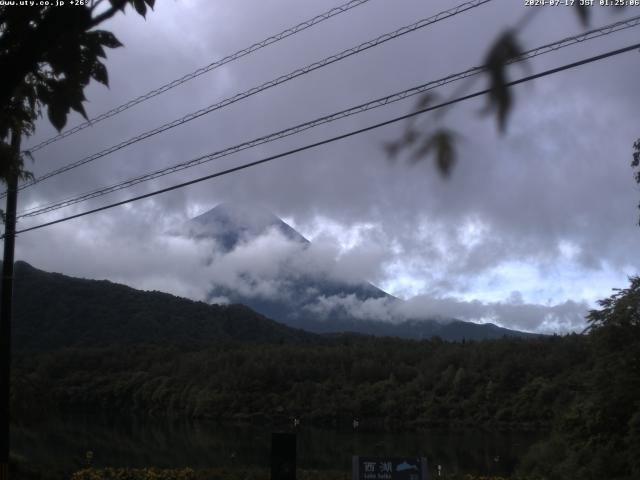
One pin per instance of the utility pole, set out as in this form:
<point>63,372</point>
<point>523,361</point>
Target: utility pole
<point>5,307</point>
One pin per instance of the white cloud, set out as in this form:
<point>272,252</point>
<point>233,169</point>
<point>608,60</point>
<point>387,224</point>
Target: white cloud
<point>511,313</point>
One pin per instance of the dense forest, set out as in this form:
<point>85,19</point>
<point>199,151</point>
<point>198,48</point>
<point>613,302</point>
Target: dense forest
<point>584,390</point>
<point>511,383</point>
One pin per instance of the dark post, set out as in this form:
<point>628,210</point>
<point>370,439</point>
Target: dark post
<point>5,310</point>
<point>283,456</point>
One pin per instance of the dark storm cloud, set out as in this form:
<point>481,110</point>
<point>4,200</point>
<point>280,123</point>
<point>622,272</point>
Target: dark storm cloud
<point>555,192</point>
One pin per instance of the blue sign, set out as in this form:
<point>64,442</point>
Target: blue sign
<point>386,468</point>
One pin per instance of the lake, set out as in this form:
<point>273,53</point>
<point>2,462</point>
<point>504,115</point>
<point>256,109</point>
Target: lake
<point>60,444</point>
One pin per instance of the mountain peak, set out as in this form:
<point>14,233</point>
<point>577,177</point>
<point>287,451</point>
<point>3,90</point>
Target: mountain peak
<point>231,223</point>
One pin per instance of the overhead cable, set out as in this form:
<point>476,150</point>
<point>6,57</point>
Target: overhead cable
<point>379,102</point>
<point>201,71</point>
<point>333,139</point>
<point>252,91</point>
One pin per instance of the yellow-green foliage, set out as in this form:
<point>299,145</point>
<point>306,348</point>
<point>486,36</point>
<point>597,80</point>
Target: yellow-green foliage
<point>221,474</point>
<point>134,474</point>
<point>204,474</point>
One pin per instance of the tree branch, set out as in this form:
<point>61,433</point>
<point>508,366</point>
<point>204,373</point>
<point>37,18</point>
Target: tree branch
<point>115,8</point>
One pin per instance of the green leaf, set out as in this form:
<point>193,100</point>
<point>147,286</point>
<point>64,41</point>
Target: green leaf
<point>7,160</point>
<point>140,7</point>
<point>28,154</point>
<point>496,62</point>
<point>583,13</point>
<point>99,73</point>
<point>57,113</point>
<point>25,175</point>
<point>78,107</point>
<point>445,152</point>
<point>11,164</point>
<point>442,144</point>
<point>97,50</point>
<point>74,95</point>
<point>107,39</point>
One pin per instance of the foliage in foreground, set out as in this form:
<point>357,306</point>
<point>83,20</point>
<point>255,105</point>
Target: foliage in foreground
<point>220,474</point>
<point>203,474</point>
<point>598,434</point>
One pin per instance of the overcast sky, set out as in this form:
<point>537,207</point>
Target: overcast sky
<point>531,229</point>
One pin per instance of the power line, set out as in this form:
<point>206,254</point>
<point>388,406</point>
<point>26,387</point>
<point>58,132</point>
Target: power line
<point>334,139</point>
<point>201,71</point>
<point>595,33</point>
<point>395,97</point>
<point>272,83</point>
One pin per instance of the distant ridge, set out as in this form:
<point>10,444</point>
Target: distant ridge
<point>450,330</point>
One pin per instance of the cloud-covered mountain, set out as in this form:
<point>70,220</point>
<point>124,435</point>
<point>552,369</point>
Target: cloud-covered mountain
<point>231,224</point>
<point>261,261</point>
<point>277,271</point>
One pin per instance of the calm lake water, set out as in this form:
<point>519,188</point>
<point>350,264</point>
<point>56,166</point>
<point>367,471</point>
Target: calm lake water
<point>60,445</point>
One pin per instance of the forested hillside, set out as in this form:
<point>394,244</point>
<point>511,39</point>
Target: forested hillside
<point>54,311</point>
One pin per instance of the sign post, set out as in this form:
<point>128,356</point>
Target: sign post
<point>283,456</point>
